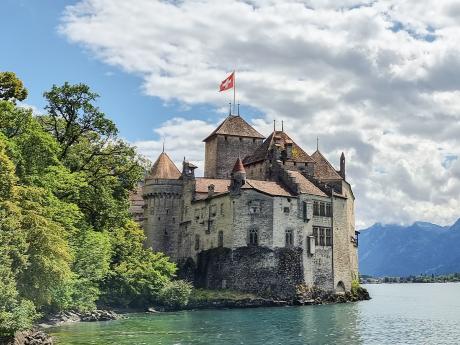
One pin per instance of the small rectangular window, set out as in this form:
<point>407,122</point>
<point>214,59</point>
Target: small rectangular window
<point>286,209</point>
<point>321,237</point>
<point>322,209</point>
<point>315,235</point>
<point>328,209</point>
<point>197,242</point>
<point>316,208</point>
<point>328,237</point>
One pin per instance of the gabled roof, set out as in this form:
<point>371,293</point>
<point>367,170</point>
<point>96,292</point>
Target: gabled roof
<point>280,139</point>
<point>323,169</point>
<point>305,185</point>
<point>164,168</point>
<point>235,126</point>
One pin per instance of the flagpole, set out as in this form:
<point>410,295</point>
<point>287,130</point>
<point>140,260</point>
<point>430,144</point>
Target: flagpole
<point>234,90</point>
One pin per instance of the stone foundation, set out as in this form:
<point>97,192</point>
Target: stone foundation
<point>260,270</point>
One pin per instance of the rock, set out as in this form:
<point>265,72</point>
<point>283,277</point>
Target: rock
<point>99,315</point>
<point>152,310</point>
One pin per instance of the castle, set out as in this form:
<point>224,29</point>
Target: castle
<point>265,217</point>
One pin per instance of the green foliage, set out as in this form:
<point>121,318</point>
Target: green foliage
<point>66,238</point>
<point>175,293</point>
<point>11,87</point>
<point>137,275</point>
<point>354,286</point>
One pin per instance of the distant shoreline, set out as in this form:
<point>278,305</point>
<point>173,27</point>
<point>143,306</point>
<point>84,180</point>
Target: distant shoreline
<point>449,278</point>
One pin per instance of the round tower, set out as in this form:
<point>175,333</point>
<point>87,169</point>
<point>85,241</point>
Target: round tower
<point>162,194</point>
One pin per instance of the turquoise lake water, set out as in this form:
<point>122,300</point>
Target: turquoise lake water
<point>397,314</point>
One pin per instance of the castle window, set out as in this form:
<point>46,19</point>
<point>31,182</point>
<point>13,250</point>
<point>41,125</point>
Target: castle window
<point>222,209</point>
<point>316,235</point>
<point>253,140</point>
<point>289,237</point>
<point>241,139</point>
<point>316,208</point>
<point>220,239</point>
<point>173,219</point>
<point>167,211</point>
<point>304,211</point>
<point>328,237</point>
<point>225,138</point>
<point>286,209</point>
<point>213,210</point>
<point>328,209</point>
<point>322,209</point>
<point>321,236</point>
<point>159,218</point>
<point>197,242</point>
<point>253,237</point>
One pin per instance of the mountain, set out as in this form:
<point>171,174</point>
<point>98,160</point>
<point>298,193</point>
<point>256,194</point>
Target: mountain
<point>395,250</point>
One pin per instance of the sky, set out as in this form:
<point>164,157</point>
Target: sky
<point>378,80</point>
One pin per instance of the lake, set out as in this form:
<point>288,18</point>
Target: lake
<point>397,314</point>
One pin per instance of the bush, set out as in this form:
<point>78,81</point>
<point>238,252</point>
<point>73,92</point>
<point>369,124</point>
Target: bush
<point>175,293</point>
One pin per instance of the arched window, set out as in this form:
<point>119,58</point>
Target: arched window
<point>253,237</point>
<point>340,289</point>
<point>289,238</point>
<point>220,239</point>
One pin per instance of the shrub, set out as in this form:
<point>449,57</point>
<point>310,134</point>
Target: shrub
<point>175,293</point>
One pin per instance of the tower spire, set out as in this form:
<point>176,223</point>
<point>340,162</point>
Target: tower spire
<point>282,126</point>
<point>163,151</point>
<point>274,125</point>
<point>317,143</point>
<point>230,108</point>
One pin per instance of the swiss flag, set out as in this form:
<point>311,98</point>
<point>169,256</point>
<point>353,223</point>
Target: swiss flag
<point>228,83</point>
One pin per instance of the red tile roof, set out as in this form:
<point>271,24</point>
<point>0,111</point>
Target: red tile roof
<point>323,169</point>
<point>305,185</point>
<point>221,186</point>
<point>235,126</point>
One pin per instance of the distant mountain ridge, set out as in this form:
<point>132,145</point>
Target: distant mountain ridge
<point>395,250</point>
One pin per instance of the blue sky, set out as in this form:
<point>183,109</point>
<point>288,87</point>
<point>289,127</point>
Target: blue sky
<point>41,57</point>
<point>375,79</point>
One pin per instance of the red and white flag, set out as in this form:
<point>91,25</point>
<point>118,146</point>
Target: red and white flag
<point>228,83</point>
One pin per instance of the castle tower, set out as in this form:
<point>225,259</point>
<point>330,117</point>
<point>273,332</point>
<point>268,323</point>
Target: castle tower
<point>162,195</point>
<point>233,138</point>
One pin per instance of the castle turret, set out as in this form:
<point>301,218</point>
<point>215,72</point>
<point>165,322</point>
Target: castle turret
<point>233,138</point>
<point>162,195</point>
<point>238,176</point>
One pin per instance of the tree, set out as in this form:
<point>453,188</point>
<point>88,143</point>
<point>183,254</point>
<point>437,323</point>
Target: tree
<point>11,87</point>
<point>73,115</point>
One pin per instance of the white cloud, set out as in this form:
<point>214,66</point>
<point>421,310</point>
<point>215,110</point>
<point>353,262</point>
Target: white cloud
<point>376,79</point>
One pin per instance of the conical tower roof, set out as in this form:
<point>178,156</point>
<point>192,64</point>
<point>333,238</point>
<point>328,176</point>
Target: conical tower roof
<point>238,167</point>
<point>164,168</point>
